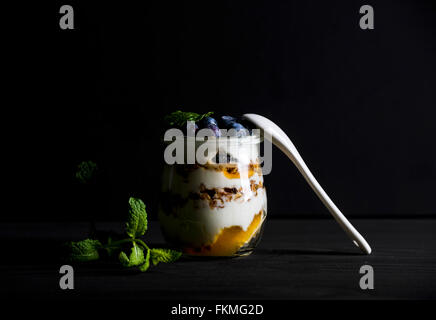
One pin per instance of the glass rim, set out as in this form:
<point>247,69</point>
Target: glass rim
<point>251,139</point>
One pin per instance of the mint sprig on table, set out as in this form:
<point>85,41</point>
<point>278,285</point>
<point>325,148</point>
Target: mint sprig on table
<point>179,118</point>
<point>86,171</point>
<point>140,254</point>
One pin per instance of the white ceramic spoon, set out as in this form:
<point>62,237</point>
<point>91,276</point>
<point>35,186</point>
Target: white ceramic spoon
<point>282,141</point>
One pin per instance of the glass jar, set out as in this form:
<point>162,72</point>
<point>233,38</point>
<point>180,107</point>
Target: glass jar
<point>215,206</point>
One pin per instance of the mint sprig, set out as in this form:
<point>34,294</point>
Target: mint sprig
<point>136,224</point>
<point>140,254</point>
<point>85,250</point>
<point>164,255</point>
<point>179,118</point>
<point>86,170</point>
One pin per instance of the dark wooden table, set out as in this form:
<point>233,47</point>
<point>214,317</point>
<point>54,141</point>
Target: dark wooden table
<point>297,259</point>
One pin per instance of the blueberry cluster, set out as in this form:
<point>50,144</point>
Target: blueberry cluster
<point>234,126</point>
<point>225,122</point>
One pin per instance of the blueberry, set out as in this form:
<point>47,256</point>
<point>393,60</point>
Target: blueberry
<point>241,131</point>
<point>209,120</point>
<point>247,125</point>
<point>216,130</point>
<point>230,122</point>
<point>237,126</point>
<point>228,118</point>
<point>211,123</point>
<point>227,121</point>
<point>222,158</point>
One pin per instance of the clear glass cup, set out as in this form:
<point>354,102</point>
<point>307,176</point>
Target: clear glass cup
<point>216,206</point>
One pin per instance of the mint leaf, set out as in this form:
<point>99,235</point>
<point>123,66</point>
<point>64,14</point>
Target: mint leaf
<point>136,257</point>
<point>137,219</point>
<point>146,264</point>
<point>123,259</point>
<point>164,255</point>
<point>179,118</point>
<point>86,171</point>
<point>85,250</point>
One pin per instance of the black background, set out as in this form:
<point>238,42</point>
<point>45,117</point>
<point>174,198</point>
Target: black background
<point>358,104</point>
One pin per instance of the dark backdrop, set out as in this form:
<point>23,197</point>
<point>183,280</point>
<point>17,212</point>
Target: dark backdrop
<point>358,104</point>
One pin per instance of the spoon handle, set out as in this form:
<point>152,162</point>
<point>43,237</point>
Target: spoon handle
<point>284,143</point>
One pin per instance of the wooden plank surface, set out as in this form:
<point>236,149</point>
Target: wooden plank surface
<point>296,259</point>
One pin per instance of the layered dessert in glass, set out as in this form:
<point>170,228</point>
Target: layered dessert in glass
<point>216,207</point>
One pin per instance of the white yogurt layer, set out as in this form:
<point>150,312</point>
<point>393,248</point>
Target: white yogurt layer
<point>199,225</point>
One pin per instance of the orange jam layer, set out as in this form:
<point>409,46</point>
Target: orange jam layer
<point>229,240</point>
<point>233,172</point>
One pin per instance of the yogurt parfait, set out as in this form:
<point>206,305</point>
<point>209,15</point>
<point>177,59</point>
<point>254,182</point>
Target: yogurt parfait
<point>216,206</point>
